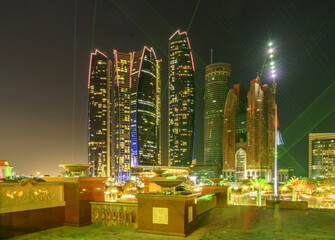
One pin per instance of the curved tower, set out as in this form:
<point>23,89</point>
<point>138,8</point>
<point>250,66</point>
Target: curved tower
<point>181,100</point>
<point>145,108</point>
<point>99,114</point>
<point>217,80</point>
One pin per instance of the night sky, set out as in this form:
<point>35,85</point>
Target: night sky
<point>45,46</point>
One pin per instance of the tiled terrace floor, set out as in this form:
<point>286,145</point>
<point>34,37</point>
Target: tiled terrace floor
<point>236,222</point>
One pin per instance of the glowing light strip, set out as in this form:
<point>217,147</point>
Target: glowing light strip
<point>131,67</point>
<point>153,51</point>
<point>188,42</point>
<point>97,51</point>
<point>117,73</point>
<point>192,61</point>
<point>189,46</point>
<point>180,33</point>
<point>89,71</point>
<point>139,70</point>
<point>174,34</point>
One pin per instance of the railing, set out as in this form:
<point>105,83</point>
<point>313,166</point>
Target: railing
<point>115,213</point>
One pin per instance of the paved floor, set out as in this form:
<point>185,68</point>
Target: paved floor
<point>236,222</point>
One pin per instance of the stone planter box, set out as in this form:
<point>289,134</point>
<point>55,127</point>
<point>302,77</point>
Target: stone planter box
<point>301,205</point>
<point>167,214</point>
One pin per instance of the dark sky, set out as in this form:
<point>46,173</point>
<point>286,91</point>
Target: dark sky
<point>41,57</point>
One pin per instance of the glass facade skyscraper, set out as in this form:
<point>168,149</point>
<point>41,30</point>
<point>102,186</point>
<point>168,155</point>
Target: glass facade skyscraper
<point>121,139</point>
<point>145,108</point>
<point>124,119</point>
<point>99,114</point>
<point>181,100</point>
<point>217,80</point>
<point>321,155</point>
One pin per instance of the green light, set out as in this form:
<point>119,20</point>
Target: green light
<point>171,177</point>
<point>271,55</point>
<point>206,197</point>
<point>270,44</point>
<point>272,63</point>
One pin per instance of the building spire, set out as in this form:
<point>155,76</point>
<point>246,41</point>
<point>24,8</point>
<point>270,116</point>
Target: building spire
<point>211,55</point>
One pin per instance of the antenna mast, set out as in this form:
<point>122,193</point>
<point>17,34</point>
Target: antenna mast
<point>211,55</point>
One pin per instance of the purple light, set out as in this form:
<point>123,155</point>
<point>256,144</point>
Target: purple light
<point>273,75</point>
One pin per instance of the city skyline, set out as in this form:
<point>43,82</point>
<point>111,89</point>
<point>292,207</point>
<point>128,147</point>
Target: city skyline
<point>37,91</point>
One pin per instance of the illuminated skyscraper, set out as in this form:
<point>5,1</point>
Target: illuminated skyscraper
<point>99,113</point>
<point>145,108</point>
<point>321,155</point>
<point>217,80</point>
<point>124,120</point>
<point>249,132</point>
<point>121,154</point>
<point>181,100</point>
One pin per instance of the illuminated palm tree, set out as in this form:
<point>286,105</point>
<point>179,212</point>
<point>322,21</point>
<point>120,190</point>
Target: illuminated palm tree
<point>297,185</point>
<point>259,184</point>
<point>310,184</point>
<point>328,184</point>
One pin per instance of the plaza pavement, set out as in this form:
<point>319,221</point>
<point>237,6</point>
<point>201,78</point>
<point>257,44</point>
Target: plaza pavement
<point>235,222</point>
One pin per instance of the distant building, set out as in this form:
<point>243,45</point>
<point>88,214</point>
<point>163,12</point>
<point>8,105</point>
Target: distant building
<point>204,171</point>
<point>217,80</point>
<point>321,159</point>
<point>249,132</point>
<point>284,174</point>
<point>99,114</point>
<point>5,169</point>
<point>181,100</point>
<point>172,171</point>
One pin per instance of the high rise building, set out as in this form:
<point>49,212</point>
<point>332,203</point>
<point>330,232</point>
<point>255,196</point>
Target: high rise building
<point>121,121</point>
<point>181,100</point>
<point>217,80</point>
<point>124,122</point>
<point>99,114</point>
<point>145,108</point>
<point>321,155</point>
<point>249,132</point>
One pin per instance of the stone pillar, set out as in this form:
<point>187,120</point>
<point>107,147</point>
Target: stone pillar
<point>78,193</point>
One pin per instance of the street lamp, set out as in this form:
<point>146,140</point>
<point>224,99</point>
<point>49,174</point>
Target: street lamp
<point>273,76</point>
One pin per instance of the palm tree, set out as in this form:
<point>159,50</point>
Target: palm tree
<point>296,185</point>
<point>310,184</point>
<point>259,184</point>
<point>328,184</point>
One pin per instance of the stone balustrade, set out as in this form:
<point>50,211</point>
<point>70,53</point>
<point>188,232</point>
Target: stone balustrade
<point>115,213</point>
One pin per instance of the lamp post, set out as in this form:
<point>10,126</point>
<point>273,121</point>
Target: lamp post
<point>273,76</point>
